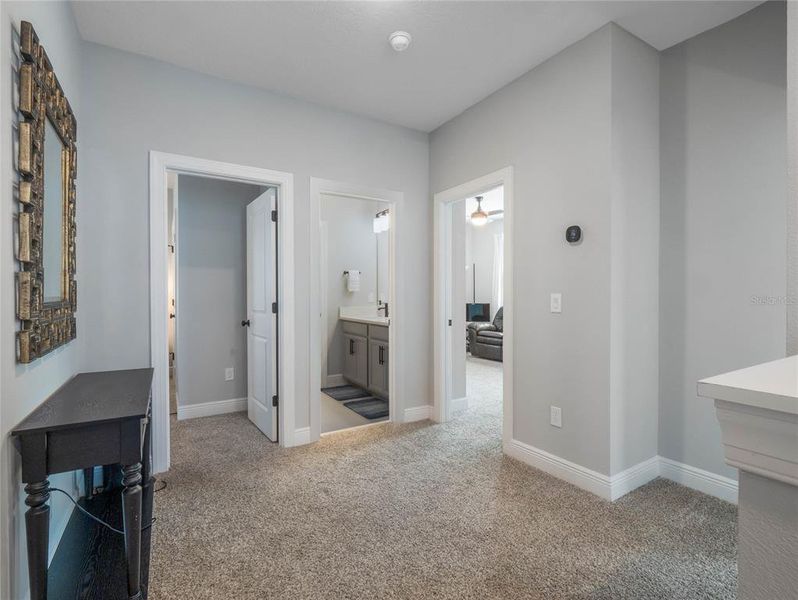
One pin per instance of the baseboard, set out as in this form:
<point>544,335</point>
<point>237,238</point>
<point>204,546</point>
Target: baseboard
<point>713,484</point>
<point>632,478</point>
<point>459,404</point>
<point>620,484</point>
<point>335,380</point>
<point>208,409</point>
<point>417,413</point>
<point>580,476</point>
<point>301,436</point>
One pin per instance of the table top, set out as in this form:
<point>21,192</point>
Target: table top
<point>772,385</point>
<point>92,398</point>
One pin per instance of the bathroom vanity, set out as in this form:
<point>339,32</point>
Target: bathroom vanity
<point>366,349</point>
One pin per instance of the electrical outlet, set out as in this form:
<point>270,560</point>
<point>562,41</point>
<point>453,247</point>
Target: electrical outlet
<point>556,416</point>
<point>556,302</point>
<point>229,374</point>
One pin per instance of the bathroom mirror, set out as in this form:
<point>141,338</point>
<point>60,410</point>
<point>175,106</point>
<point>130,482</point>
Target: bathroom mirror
<point>46,291</point>
<point>53,221</point>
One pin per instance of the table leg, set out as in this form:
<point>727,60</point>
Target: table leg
<point>37,527</point>
<point>131,509</point>
<point>88,482</point>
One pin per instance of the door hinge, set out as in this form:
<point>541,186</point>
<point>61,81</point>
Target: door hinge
<point>450,322</point>
<point>274,400</point>
<point>274,216</point>
<point>274,307</point>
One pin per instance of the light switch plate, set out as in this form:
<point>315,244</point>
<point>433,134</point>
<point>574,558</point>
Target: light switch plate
<point>556,416</point>
<point>229,374</point>
<point>556,302</point>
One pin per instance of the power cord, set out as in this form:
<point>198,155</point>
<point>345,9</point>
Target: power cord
<point>94,518</point>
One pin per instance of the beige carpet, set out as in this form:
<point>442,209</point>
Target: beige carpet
<point>419,511</point>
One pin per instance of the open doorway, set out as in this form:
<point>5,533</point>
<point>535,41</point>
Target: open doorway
<point>268,298</point>
<point>355,262</point>
<point>473,299</point>
<point>222,286</point>
<point>354,316</point>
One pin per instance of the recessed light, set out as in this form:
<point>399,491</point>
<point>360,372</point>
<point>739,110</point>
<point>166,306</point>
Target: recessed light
<point>400,40</point>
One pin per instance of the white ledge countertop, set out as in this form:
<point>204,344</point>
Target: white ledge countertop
<point>772,386</point>
<point>367,315</point>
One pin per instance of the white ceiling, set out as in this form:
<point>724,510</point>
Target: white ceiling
<point>336,53</point>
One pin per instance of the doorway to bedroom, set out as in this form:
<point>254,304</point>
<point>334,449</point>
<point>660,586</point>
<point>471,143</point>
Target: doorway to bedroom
<point>473,346</point>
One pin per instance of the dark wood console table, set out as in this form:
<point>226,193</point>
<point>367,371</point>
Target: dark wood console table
<point>94,419</point>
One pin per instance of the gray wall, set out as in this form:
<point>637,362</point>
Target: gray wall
<point>351,244</point>
<point>553,126</point>
<point>138,104</point>
<point>22,388</point>
<point>723,228</point>
<point>792,165</point>
<point>212,288</point>
<point>634,254</point>
<point>459,298</point>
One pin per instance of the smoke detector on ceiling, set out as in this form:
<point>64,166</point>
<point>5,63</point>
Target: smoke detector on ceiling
<point>400,40</point>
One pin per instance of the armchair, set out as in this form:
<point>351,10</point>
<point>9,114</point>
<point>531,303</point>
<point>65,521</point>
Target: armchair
<point>485,339</point>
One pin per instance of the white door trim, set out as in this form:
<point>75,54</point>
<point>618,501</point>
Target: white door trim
<point>160,163</point>
<point>394,199</point>
<point>442,258</point>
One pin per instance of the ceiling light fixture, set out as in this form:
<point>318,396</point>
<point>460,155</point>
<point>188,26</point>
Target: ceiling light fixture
<point>479,217</point>
<point>400,40</point>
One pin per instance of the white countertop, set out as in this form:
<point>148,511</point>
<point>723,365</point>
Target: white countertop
<point>362,314</point>
<point>772,385</point>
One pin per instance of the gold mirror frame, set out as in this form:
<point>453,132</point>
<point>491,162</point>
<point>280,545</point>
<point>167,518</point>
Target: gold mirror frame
<point>44,325</point>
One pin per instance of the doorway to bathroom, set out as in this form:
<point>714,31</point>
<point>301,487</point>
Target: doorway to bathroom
<point>353,341</point>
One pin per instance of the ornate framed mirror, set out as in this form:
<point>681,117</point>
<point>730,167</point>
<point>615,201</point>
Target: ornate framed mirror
<point>47,164</point>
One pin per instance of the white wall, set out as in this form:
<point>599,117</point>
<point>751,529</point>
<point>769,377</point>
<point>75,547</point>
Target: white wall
<point>138,104</point>
<point>351,244</point>
<point>23,387</point>
<point>212,287</point>
<point>553,126</point>
<point>479,251</point>
<point>723,115</point>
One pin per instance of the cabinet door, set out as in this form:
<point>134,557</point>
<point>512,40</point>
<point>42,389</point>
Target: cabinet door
<point>378,367</point>
<point>355,359</point>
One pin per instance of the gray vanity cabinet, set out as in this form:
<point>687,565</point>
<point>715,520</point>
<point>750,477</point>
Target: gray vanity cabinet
<point>366,356</point>
<point>356,359</point>
<point>378,360</point>
<point>378,368</point>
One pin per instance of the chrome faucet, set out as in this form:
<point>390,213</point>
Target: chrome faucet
<point>383,306</point>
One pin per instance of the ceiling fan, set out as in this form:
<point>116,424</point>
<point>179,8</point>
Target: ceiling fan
<point>479,217</point>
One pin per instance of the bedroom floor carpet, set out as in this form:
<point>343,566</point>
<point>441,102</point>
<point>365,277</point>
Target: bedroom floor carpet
<point>420,511</point>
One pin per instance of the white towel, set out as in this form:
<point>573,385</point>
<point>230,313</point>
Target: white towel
<point>353,281</point>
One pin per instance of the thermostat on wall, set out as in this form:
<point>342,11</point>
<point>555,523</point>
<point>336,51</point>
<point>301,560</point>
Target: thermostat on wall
<point>573,234</point>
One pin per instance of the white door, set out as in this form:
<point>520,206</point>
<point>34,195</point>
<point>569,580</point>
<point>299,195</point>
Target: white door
<point>261,321</point>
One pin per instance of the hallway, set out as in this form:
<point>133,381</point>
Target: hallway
<point>419,511</point>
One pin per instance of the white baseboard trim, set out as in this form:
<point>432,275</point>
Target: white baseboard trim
<point>208,409</point>
<point>578,475</point>
<point>335,380</point>
<point>417,413</point>
<point>632,478</point>
<point>301,436</point>
<point>620,484</point>
<point>713,484</point>
<point>459,404</point>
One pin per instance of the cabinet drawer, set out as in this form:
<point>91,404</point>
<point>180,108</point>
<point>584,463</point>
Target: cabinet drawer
<point>355,328</point>
<point>378,332</point>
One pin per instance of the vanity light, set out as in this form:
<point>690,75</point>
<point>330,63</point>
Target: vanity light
<point>479,217</point>
<point>382,222</point>
<point>400,40</point>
